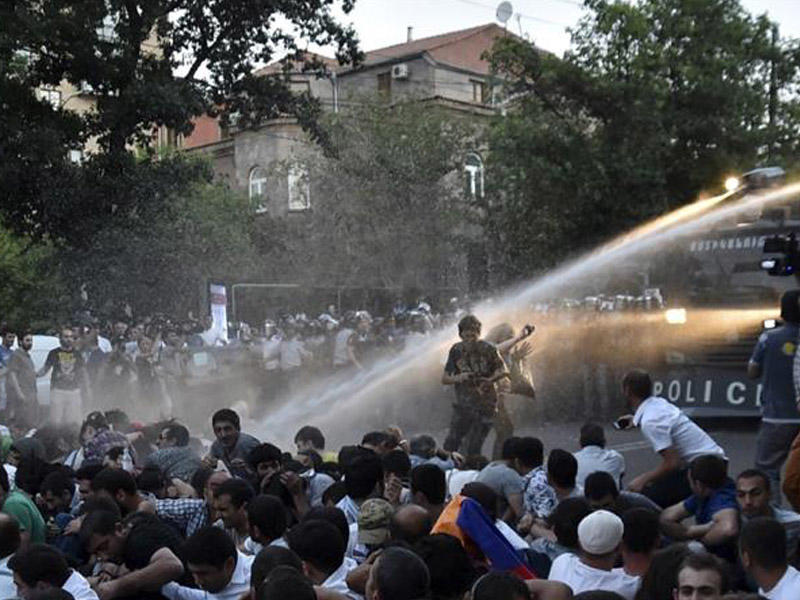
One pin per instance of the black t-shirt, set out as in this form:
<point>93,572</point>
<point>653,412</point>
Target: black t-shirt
<point>147,535</point>
<point>482,360</point>
<point>67,366</point>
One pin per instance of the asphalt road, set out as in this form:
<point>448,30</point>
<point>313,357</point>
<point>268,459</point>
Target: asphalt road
<point>737,437</point>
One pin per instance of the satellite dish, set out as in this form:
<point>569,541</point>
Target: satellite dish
<point>504,12</point>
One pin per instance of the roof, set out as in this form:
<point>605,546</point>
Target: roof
<point>297,63</point>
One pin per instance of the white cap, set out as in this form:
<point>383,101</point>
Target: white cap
<point>600,532</point>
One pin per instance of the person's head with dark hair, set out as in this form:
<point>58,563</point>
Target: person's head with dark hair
<point>31,471</point>
<point>707,474</point>
<point>661,578</point>
<point>598,595</point>
<point>790,311</point>
<point>231,500</point>
<point>475,462</point>
<point>499,585</point>
<point>509,449</point>
<point>56,491</point>
<point>469,326</point>
<point>703,575</point>
<point>286,583</point>
<point>334,494</point>
<point>422,445</point>
<point>379,442</point>
<point>428,488</point>
<point>200,479</point>
<point>398,574</point>
<point>310,459</point>
<point>84,477</point>
<point>152,480</point>
<point>762,549</point>
<point>94,503</point>
<point>565,518</point>
<point>529,454</point>
<point>362,475</point>
<point>51,594</point>
<point>211,557</point>
<point>267,560</point>
<point>102,533</point>
<point>119,485</point>
<point>38,567</point>
<point>320,546</point>
<point>266,517</point>
<point>637,387</point>
<point>753,494</point>
<point>265,460</point>
<point>601,490</point>
<point>410,523</point>
<point>309,437</point>
<point>333,515</point>
<point>562,468</point>
<point>397,463</point>
<point>9,535</point>
<point>592,434</point>
<point>173,435</point>
<point>483,495</point>
<point>448,563</point>
<point>640,539</point>
<point>227,426</point>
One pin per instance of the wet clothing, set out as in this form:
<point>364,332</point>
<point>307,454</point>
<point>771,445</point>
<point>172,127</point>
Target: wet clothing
<point>774,353</point>
<point>244,444</point>
<point>67,366</point>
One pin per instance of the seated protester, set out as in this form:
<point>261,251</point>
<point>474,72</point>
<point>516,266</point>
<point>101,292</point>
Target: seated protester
<point>599,537</point>
<point>148,549</point>
<point>500,586</point>
<point>189,515</point>
<point>231,446</point>
<point>673,435</point>
<point>336,517</point>
<point>264,461</point>
<point>83,479</point>
<point>318,482</point>
<point>379,442</point>
<point>286,583</point>
<point>601,491</point>
<point>218,569</point>
<point>661,579</point>
<point>593,455</point>
<point>9,544</point>
<point>40,567</point>
<point>539,497</point>
<point>485,496</point>
<point>363,475</point>
<point>701,575</point>
<point>423,450</point>
<point>753,496</point>
<point>120,486</point>
<point>428,489</point>
<point>398,574</point>
<point>230,503</point>
<point>268,560</point>
<point>563,534</point>
<point>396,469</point>
<point>56,492</point>
<point>174,457</point>
<point>562,469</point>
<point>449,565</point>
<point>640,540</point>
<point>19,505</point>
<point>410,523</point>
<point>505,478</point>
<point>762,549</point>
<point>320,546</point>
<point>266,519</point>
<point>713,506</point>
<point>98,438</point>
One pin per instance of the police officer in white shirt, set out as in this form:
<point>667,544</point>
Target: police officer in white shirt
<point>762,548</point>
<point>671,433</point>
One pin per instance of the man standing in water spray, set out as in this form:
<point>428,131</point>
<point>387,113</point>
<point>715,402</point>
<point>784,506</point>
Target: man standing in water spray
<point>473,367</point>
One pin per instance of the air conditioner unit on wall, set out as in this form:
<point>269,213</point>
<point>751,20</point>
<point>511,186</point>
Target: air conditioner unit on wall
<point>400,71</point>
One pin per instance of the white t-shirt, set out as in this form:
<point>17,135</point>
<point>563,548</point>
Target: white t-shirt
<point>787,588</point>
<point>594,458</point>
<point>8,588</point>
<point>80,589</point>
<point>664,425</point>
<point>340,355</point>
<point>456,480</point>
<point>569,569</point>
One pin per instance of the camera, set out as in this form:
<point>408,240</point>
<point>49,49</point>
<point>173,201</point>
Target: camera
<point>781,266</point>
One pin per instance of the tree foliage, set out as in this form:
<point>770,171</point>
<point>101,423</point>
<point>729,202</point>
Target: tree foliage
<point>655,102</point>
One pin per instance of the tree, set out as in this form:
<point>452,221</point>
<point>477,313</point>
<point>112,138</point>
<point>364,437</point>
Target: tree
<point>147,63</point>
<point>655,102</point>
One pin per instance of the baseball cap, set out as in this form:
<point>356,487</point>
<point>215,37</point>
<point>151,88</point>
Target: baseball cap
<point>373,521</point>
<point>600,532</point>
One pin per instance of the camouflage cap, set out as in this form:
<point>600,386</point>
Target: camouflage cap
<point>373,521</point>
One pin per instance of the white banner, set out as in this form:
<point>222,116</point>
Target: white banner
<point>218,301</point>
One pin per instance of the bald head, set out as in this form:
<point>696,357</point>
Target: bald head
<point>9,535</point>
<point>410,523</point>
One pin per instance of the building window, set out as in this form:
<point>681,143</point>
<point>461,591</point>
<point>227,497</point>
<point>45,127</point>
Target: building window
<point>258,189</point>
<point>385,85</point>
<point>49,95</point>
<point>479,91</point>
<point>299,192</point>
<point>473,171</point>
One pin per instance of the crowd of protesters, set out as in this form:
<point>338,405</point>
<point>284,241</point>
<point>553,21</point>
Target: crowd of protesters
<point>151,509</point>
